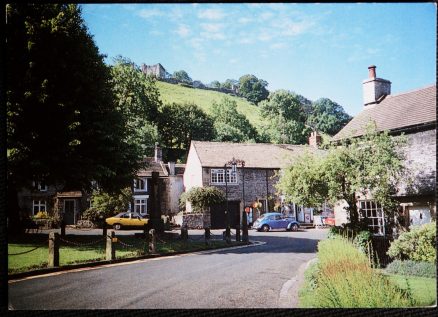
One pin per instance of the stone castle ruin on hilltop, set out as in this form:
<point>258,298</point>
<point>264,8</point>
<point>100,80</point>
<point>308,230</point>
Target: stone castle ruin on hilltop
<point>160,73</point>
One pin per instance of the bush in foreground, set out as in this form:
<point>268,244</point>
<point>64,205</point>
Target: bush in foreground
<point>418,244</point>
<point>414,268</point>
<point>345,280</point>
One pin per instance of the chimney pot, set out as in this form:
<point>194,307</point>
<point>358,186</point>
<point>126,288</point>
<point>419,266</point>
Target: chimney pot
<point>158,153</point>
<point>315,139</point>
<point>372,72</point>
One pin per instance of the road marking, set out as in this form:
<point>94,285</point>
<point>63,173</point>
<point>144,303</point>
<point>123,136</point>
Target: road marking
<point>253,244</point>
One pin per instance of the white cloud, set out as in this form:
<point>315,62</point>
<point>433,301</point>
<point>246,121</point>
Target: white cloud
<point>266,15</point>
<point>213,35</point>
<point>265,36</point>
<point>277,46</point>
<point>245,40</point>
<point>212,27</point>
<point>233,61</point>
<point>244,20</point>
<point>296,28</point>
<point>196,43</point>
<point>211,14</point>
<point>183,30</point>
<point>146,13</point>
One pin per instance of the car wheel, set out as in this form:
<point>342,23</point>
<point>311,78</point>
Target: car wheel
<point>117,226</point>
<point>294,227</point>
<point>265,228</point>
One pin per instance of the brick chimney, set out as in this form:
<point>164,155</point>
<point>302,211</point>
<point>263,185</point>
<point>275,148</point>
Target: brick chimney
<point>375,89</point>
<point>314,139</point>
<point>158,154</point>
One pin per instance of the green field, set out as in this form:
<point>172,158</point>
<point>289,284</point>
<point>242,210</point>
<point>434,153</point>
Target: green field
<point>205,98</point>
<point>30,251</point>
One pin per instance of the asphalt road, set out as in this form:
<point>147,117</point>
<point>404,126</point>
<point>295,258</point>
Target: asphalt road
<point>258,276</point>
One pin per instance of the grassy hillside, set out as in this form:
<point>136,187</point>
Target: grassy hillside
<point>204,99</point>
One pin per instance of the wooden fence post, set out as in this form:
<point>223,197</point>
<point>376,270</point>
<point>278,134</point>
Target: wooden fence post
<point>184,233</point>
<point>53,249</point>
<point>207,236</point>
<point>62,228</point>
<point>152,241</point>
<point>110,250</point>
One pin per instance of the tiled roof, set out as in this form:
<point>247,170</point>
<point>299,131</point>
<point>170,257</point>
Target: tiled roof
<point>255,155</point>
<point>152,166</point>
<point>160,167</point>
<point>395,112</point>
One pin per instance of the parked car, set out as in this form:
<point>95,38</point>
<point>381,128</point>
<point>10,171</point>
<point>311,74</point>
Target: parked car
<point>127,220</point>
<point>275,220</point>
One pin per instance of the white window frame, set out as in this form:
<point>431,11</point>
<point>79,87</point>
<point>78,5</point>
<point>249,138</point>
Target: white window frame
<point>137,181</point>
<point>217,176</point>
<point>138,202</point>
<point>374,212</point>
<point>37,185</point>
<point>39,204</point>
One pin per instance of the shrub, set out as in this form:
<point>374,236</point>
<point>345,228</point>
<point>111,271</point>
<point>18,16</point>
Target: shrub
<point>346,279</point>
<point>41,215</point>
<point>361,241</point>
<point>422,269</point>
<point>418,244</point>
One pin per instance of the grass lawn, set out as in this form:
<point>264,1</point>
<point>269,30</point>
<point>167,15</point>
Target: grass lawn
<point>204,99</point>
<point>423,289</point>
<point>82,249</point>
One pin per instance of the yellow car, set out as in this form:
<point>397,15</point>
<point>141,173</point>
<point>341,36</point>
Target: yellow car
<point>126,219</point>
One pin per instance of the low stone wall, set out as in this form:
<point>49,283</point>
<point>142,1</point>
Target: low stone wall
<point>193,220</point>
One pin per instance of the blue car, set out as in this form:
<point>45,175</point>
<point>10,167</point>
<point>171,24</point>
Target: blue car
<point>275,220</point>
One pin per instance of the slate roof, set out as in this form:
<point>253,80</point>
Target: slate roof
<point>395,112</point>
<point>255,155</point>
<point>160,167</point>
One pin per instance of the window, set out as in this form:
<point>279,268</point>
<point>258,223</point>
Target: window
<point>373,211</point>
<point>217,176</point>
<point>39,185</point>
<point>39,205</point>
<point>140,185</point>
<point>140,204</point>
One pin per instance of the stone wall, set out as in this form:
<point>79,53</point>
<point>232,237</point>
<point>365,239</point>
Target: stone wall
<point>193,220</point>
<point>259,183</point>
<point>420,152</point>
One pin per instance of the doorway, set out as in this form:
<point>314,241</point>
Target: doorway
<point>69,212</point>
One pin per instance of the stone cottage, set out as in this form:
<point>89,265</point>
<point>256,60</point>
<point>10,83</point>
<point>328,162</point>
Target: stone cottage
<point>56,202</point>
<point>170,185</point>
<point>414,114</point>
<point>250,188</point>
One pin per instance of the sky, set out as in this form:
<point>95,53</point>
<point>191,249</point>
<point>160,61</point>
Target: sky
<point>315,50</point>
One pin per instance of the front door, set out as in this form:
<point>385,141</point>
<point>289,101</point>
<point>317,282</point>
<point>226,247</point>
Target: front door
<point>69,212</point>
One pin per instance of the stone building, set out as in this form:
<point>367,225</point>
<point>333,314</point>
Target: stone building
<point>412,113</point>
<point>251,187</point>
<point>51,199</point>
<point>156,70</point>
<point>170,185</point>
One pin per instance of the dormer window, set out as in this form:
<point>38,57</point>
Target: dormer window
<point>39,185</point>
<point>140,185</point>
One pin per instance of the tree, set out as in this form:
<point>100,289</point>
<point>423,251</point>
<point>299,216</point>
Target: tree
<point>327,116</point>
<point>202,198</point>
<point>63,125</point>
<point>230,125</point>
<point>229,83</point>
<point>370,164</point>
<point>105,205</point>
<point>179,124</point>
<point>285,118</point>
<point>253,89</point>
<point>182,75</point>
<point>215,84</point>
<point>138,99</point>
